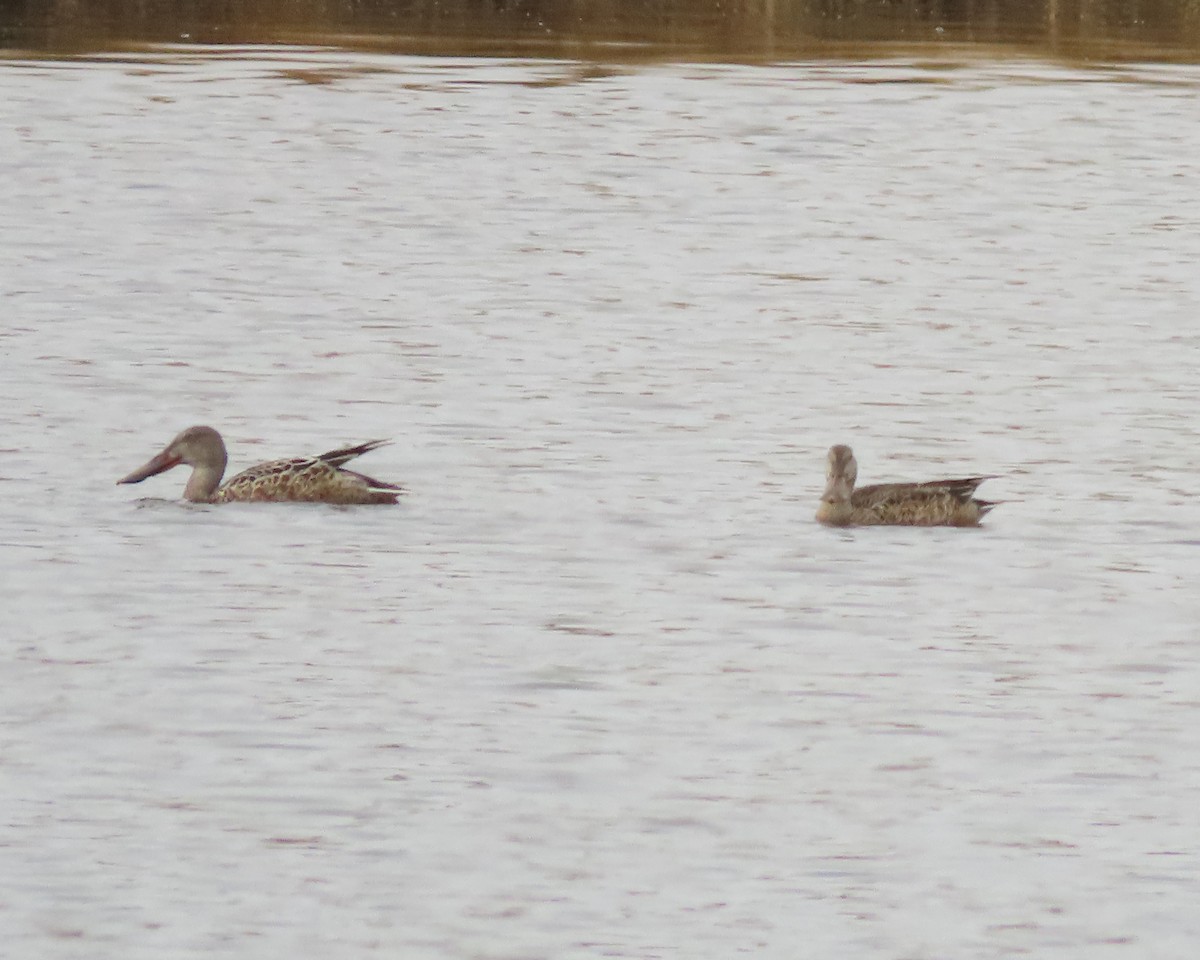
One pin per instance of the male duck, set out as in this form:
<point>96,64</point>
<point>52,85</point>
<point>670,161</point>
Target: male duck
<point>301,479</point>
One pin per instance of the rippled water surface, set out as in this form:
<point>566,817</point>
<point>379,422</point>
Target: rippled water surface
<point>600,687</point>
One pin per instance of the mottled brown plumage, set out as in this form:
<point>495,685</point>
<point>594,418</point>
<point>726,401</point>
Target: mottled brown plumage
<point>937,503</point>
<point>299,480</point>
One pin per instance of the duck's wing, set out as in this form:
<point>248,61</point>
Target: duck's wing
<point>311,480</point>
<point>937,503</point>
<point>877,494</point>
<point>272,480</point>
<point>343,455</point>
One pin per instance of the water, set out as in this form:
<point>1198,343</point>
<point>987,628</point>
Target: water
<point>600,687</point>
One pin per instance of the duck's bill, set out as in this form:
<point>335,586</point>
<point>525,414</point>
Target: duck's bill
<point>164,461</point>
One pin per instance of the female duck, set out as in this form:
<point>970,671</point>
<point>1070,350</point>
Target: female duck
<point>938,503</point>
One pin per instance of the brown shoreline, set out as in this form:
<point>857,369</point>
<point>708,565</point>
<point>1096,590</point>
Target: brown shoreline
<point>619,30</point>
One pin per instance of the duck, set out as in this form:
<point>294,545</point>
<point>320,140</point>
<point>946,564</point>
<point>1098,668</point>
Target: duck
<point>319,479</point>
<point>935,503</point>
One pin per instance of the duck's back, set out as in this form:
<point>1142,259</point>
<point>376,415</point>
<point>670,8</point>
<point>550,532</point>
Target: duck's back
<point>937,503</point>
<point>305,480</point>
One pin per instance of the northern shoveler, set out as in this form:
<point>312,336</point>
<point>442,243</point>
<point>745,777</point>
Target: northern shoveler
<point>301,479</point>
<point>938,503</point>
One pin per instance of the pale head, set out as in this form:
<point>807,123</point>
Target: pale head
<point>841,472</point>
<point>199,447</point>
<point>841,466</point>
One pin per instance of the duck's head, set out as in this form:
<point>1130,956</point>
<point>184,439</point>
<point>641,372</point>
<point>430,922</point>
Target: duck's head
<point>841,470</point>
<point>199,447</point>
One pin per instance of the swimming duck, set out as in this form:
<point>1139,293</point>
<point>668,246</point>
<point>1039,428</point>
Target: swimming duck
<point>318,479</point>
<point>937,503</point>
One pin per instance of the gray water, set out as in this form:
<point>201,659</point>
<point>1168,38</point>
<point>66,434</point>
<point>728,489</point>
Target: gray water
<point>600,687</point>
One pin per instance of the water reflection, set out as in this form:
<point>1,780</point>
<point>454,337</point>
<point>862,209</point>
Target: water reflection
<point>600,686</point>
<point>618,28</point>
